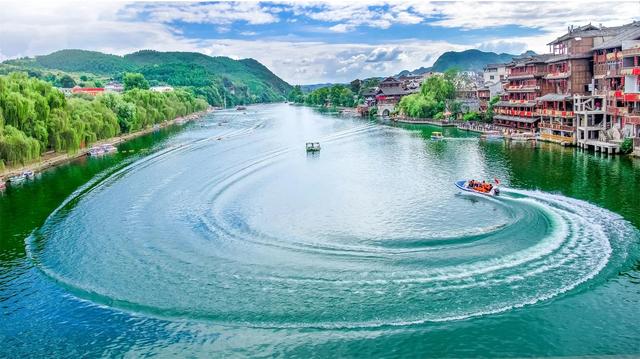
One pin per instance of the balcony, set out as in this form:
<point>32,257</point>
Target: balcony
<point>518,113</point>
<point>555,126</point>
<point>554,113</point>
<point>523,75</point>
<point>614,56</point>
<point>558,75</point>
<point>634,51</point>
<point>523,88</point>
<point>634,71</point>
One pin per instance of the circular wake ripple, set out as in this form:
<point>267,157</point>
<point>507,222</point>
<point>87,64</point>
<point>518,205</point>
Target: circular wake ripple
<point>246,247</point>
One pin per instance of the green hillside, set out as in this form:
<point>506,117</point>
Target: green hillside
<point>218,79</point>
<point>469,60</point>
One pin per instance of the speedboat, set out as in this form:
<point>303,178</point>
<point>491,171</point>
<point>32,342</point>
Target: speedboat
<point>464,185</point>
<point>313,146</point>
<point>437,136</point>
<point>21,177</point>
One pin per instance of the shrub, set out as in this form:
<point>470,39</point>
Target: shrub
<point>626,146</point>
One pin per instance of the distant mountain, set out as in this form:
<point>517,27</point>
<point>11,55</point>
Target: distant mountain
<point>419,71</point>
<point>218,79</point>
<point>468,60</point>
<point>312,87</point>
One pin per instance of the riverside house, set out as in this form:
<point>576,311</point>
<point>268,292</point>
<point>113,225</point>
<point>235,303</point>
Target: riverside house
<point>585,92</point>
<point>525,84</point>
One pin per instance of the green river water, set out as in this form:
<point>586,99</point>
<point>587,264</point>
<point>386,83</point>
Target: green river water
<point>223,237</point>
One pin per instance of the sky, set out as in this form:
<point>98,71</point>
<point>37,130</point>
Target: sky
<point>303,42</point>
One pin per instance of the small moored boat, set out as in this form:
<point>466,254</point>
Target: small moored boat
<point>437,136</point>
<point>313,146</point>
<point>522,137</point>
<point>241,108</point>
<point>479,187</point>
<point>492,135</point>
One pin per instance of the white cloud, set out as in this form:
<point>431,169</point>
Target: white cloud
<point>30,28</point>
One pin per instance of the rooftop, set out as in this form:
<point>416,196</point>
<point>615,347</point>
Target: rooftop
<point>588,30</point>
<point>629,32</point>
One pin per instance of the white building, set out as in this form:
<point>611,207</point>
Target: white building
<point>161,88</point>
<point>114,86</point>
<point>494,76</point>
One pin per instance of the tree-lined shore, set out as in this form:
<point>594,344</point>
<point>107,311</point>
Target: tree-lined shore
<point>36,118</point>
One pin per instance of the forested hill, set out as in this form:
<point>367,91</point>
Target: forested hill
<point>218,79</point>
<point>469,60</point>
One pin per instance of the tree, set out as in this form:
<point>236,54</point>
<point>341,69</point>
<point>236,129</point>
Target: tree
<point>626,146</point>
<point>67,81</point>
<point>83,78</point>
<point>296,94</point>
<point>355,85</point>
<point>133,80</point>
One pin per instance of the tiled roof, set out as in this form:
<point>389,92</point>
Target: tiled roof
<point>517,119</point>
<point>553,97</point>
<point>629,32</point>
<point>392,91</point>
<point>589,31</point>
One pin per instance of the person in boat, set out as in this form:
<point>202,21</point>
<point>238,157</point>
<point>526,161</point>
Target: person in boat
<point>472,184</point>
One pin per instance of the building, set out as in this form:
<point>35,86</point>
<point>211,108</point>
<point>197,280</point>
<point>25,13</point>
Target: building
<point>569,73</point>
<point>614,79</point>
<point>467,84</point>
<point>114,86</point>
<point>525,84</point>
<point>494,78</point>
<point>389,93</point>
<point>161,88</point>
<point>93,91</point>
<point>67,91</point>
<point>484,96</point>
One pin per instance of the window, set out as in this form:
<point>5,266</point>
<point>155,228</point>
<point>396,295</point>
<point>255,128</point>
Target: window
<point>491,77</point>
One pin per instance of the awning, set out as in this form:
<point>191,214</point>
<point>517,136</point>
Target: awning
<point>553,97</point>
<point>516,119</point>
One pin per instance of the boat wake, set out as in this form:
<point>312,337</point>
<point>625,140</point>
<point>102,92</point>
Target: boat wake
<point>245,241</point>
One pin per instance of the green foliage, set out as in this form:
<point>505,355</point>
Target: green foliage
<point>626,146</point>
<point>435,96</point>
<point>471,116</point>
<point>220,80</point>
<point>84,61</point>
<point>296,95</point>
<point>134,80</point>
<point>67,81</point>
<point>35,117</point>
<point>488,115</point>
<point>472,60</point>
<point>337,95</point>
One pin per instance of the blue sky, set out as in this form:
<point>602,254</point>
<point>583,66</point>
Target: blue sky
<point>302,41</point>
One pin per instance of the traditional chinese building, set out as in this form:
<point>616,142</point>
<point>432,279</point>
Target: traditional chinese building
<point>390,91</point>
<point>525,84</point>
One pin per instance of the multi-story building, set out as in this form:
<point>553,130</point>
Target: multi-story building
<point>568,74</point>
<point>494,76</point>
<point>526,83</point>
<point>389,93</point>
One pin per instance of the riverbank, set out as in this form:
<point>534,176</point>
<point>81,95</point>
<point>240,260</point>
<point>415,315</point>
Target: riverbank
<point>423,121</point>
<point>52,159</point>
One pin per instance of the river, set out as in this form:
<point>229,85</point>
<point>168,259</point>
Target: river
<point>224,237</point>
